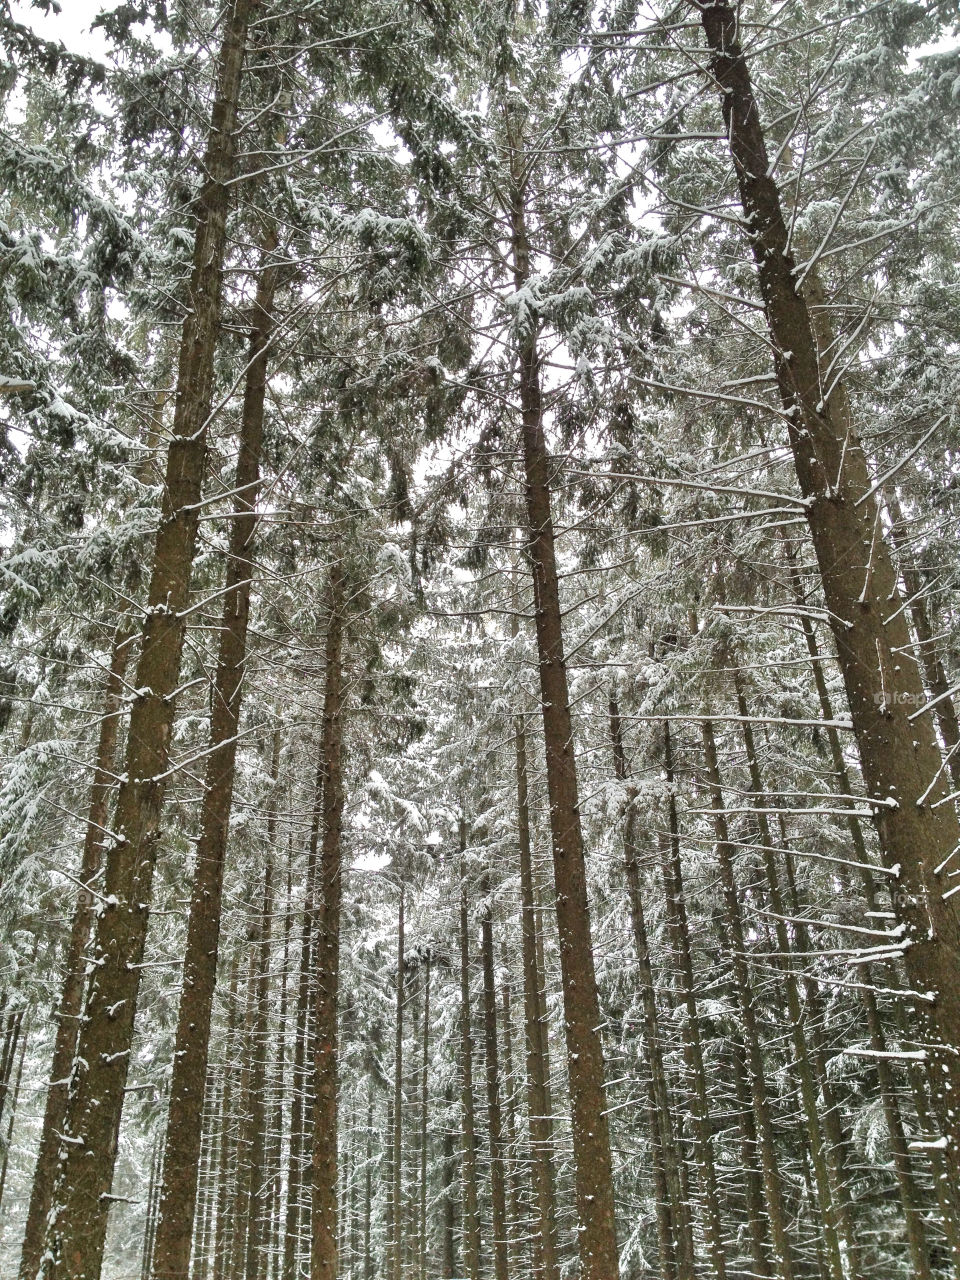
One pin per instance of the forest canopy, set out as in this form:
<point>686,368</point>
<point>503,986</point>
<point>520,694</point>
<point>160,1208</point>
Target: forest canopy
<point>479,640</point>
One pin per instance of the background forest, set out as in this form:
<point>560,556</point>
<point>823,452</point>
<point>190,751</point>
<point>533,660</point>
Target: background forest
<point>479,640</point>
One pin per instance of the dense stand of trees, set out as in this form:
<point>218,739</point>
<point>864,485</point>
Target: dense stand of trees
<point>479,637</point>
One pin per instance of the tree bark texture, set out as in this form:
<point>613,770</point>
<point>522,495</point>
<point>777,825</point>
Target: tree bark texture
<point>899,752</point>
<point>78,1217</point>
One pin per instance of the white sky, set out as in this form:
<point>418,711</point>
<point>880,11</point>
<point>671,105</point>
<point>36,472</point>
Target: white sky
<point>71,26</point>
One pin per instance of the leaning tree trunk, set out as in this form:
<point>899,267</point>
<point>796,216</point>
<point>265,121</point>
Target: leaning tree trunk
<point>324,1252</point>
<point>593,1165</point>
<point>182,1153</point>
<point>71,995</point>
<point>82,1196</point>
<point>899,753</point>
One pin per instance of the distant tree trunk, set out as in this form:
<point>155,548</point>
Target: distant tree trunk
<point>675,1238</point>
<point>14,1100</point>
<point>324,1219</point>
<point>825,1139</point>
<point>278,1092</point>
<point>692,1044</point>
<point>81,1200</point>
<point>68,1013</point>
<point>368,1189</point>
<point>448,1224</point>
<point>469,1198</point>
<point>539,1102</point>
<point>397,1240</point>
<point>223,1238</point>
<point>597,1238</point>
<point>498,1180</point>
<point>301,1104</point>
<point>424,1119</point>
<point>783,1258</point>
<point>938,686</point>
<point>946,1191</point>
<point>150,1221</point>
<point>899,752</point>
<point>255,1111</point>
<point>515,1188</point>
<point>206,1194</point>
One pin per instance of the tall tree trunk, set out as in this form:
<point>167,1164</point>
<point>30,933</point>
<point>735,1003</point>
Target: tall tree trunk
<point>498,1180</point>
<point>536,1039</point>
<point>278,1092</point>
<point>593,1165</point>
<point>469,1197</point>
<point>675,1239</point>
<point>182,1151</point>
<point>678,924</point>
<point>368,1189</point>
<point>71,996</point>
<point>324,1221</point>
<point>899,753</point>
<point>82,1196</point>
<point>946,1190</point>
<point>515,1188</point>
<point>397,1239</point>
<point>226,1164</point>
<point>448,1224</point>
<point>302,1084</point>
<point>424,1119</point>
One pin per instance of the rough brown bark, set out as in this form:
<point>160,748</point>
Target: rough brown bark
<point>182,1152</point>
<point>71,996</point>
<point>908,1190</point>
<point>900,755</point>
<point>597,1236</point>
<point>324,1218</point>
<point>81,1200</point>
